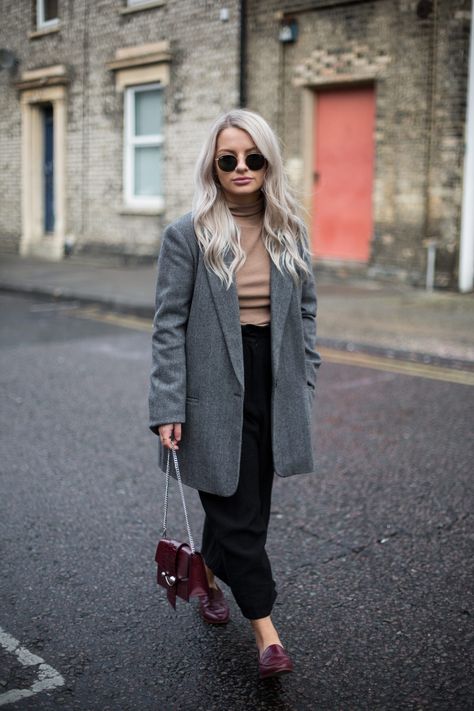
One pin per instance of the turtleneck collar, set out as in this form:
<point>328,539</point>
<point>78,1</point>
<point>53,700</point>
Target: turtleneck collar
<point>250,210</point>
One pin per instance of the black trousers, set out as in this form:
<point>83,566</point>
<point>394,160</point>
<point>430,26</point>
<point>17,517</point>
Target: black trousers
<point>235,527</point>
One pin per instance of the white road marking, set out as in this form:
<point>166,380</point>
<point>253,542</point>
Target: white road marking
<point>47,678</point>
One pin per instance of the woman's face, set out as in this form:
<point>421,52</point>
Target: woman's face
<point>242,183</point>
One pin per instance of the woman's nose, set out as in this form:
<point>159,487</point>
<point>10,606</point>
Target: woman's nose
<point>241,165</point>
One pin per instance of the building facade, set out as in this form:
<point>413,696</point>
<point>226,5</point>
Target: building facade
<point>103,117</point>
<point>370,101</point>
<point>104,105</point>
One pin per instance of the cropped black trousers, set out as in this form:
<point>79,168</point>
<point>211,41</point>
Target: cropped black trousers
<point>235,527</point>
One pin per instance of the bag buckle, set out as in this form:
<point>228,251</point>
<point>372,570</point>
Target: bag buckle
<point>170,579</point>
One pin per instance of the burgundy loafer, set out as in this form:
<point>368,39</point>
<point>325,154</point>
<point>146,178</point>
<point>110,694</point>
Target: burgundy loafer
<point>274,661</point>
<point>214,608</point>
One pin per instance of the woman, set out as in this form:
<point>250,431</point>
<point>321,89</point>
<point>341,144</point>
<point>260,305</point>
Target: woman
<point>234,360</point>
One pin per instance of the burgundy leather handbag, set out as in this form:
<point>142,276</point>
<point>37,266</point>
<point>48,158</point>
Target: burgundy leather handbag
<point>181,569</point>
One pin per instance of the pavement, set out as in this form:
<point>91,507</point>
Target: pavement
<point>354,314</point>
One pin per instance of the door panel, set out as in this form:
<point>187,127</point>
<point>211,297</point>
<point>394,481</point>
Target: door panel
<point>343,173</point>
<point>48,168</point>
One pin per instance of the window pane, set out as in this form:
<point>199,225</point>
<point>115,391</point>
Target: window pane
<point>50,9</point>
<point>148,112</point>
<point>148,171</point>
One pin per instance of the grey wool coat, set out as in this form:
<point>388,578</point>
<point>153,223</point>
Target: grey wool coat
<point>197,375</point>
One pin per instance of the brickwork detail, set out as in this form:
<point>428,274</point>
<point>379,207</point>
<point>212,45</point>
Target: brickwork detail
<point>356,62</point>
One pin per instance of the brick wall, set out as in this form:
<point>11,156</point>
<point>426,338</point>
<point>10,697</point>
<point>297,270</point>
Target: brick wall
<point>450,75</point>
<point>418,67</point>
<point>12,16</point>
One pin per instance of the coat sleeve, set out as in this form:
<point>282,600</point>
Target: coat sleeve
<point>308,314</point>
<point>174,289</point>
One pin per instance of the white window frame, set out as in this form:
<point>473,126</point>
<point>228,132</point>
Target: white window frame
<point>130,142</point>
<point>41,23</point>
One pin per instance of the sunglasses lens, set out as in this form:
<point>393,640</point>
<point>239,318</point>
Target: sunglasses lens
<point>255,161</point>
<point>227,163</point>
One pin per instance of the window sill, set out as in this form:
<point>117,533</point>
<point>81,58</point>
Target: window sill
<point>141,211</point>
<point>143,6</point>
<point>35,34</point>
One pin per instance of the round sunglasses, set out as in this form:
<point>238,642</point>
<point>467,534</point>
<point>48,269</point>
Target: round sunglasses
<point>228,162</point>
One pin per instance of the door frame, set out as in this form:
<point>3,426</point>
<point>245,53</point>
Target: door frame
<point>307,147</point>
<point>34,241</point>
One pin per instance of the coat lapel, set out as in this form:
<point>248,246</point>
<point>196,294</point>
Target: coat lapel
<point>226,302</point>
<point>281,287</point>
<point>227,306</point>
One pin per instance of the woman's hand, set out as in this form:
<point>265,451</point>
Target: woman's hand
<point>166,433</point>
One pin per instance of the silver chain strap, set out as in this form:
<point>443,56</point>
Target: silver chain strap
<point>180,484</point>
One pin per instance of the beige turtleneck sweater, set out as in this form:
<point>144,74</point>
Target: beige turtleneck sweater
<point>253,278</point>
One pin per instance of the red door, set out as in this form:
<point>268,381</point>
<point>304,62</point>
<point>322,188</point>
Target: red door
<point>343,173</point>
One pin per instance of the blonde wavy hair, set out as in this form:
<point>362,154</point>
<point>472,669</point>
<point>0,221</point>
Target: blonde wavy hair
<point>284,231</point>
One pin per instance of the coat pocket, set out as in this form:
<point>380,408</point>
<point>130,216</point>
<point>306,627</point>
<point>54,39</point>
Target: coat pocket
<point>191,399</point>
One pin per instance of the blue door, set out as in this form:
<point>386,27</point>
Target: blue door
<point>48,168</point>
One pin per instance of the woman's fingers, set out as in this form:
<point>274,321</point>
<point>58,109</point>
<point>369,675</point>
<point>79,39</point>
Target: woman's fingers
<point>166,433</point>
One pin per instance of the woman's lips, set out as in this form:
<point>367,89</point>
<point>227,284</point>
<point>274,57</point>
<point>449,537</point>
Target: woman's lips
<point>242,181</point>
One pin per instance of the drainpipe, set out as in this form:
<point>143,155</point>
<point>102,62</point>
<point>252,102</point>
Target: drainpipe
<point>466,246</point>
<point>243,55</point>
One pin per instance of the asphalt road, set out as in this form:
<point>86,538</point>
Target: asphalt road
<point>372,556</point>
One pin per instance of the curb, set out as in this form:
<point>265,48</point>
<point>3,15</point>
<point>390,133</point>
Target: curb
<point>68,296</point>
